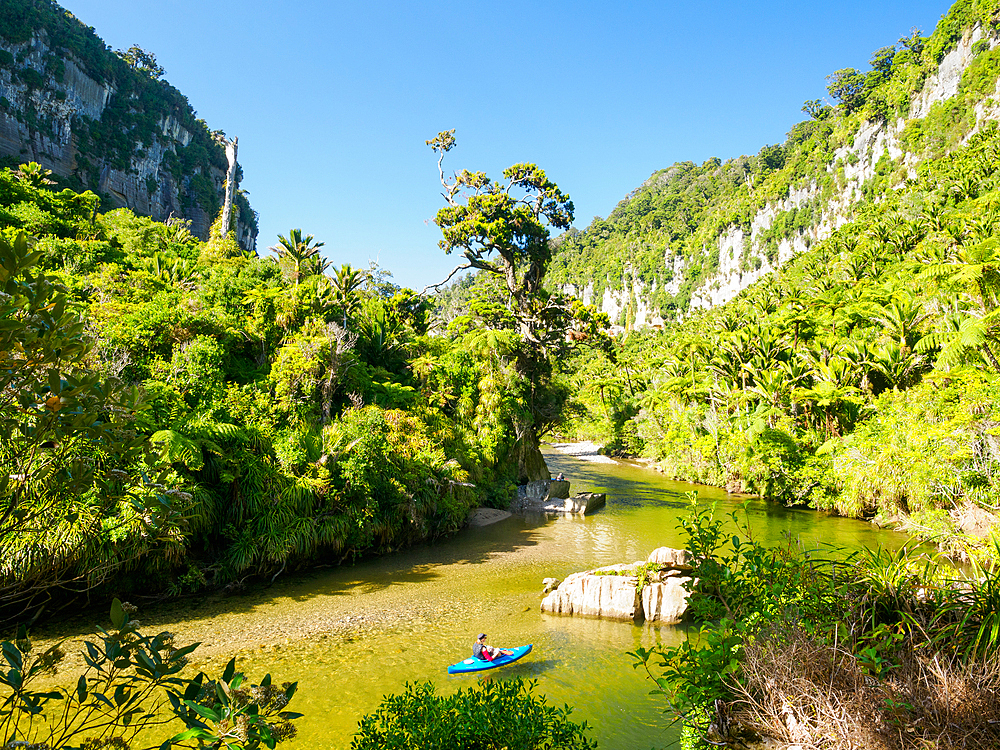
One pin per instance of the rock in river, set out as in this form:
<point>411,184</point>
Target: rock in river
<point>552,496</point>
<point>614,592</point>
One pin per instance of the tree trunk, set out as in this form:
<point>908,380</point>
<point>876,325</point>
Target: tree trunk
<point>531,465</point>
<point>227,208</point>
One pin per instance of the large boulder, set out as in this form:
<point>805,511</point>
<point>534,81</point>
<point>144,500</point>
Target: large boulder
<point>613,591</point>
<point>558,488</point>
<point>678,559</point>
<point>665,602</point>
<point>552,496</point>
<point>613,597</point>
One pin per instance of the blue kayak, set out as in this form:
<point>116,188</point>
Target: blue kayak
<point>473,664</point>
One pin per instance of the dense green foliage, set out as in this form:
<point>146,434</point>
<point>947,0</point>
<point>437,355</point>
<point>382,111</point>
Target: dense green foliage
<point>131,687</point>
<point>892,650</point>
<point>860,377</point>
<point>289,416</point>
<point>496,715</point>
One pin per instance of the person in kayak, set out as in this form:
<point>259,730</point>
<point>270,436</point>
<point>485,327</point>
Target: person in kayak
<point>481,651</point>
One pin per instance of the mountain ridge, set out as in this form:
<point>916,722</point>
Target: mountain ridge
<point>694,236</point>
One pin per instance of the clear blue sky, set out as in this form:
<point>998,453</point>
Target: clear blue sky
<point>332,101</point>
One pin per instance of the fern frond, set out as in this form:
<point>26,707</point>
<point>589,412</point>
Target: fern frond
<point>175,447</point>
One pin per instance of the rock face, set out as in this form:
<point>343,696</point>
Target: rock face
<point>613,597</point>
<point>678,559</point>
<point>552,496</point>
<point>614,592</point>
<point>103,126</point>
<point>665,602</point>
<point>742,249</point>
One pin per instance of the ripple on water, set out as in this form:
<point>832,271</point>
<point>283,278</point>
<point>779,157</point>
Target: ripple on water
<point>351,635</point>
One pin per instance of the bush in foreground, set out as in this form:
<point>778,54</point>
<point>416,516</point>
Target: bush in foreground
<point>492,716</point>
<point>882,651</point>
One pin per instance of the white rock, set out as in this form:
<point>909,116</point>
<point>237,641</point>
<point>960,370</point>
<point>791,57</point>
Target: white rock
<point>609,596</point>
<point>665,602</point>
<point>670,556</point>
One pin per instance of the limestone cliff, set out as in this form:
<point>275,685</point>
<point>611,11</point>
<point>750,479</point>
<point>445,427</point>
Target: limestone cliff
<point>72,105</point>
<point>651,260</point>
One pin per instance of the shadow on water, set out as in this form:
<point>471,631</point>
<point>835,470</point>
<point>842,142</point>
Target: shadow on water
<point>421,564</point>
<point>421,608</point>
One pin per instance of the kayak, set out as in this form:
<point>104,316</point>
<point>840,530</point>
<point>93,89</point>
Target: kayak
<point>473,664</point>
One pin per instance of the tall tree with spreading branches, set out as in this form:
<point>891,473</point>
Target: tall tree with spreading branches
<point>502,228</point>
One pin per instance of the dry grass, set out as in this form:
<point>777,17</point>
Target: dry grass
<point>798,691</point>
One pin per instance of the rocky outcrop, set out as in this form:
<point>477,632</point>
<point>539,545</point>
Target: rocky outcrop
<point>605,592</point>
<point>665,601</point>
<point>749,251</point>
<point>486,516</point>
<point>675,559</point>
<point>651,590</point>
<point>552,496</point>
<point>122,136</point>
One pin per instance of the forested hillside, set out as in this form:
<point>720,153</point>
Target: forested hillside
<point>862,376</point>
<point>693,236</point>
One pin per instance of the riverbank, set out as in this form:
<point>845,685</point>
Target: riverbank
<point>354,633</point>
<point>963,532</point>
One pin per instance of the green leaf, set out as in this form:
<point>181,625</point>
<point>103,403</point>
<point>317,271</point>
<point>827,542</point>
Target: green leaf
<point>194,733</point>
<point>117,614</point>
<point>12,654</point>
<point>203,711</point>
<point>194,687</point>
<point>230,670</point>
<point>182,652</point>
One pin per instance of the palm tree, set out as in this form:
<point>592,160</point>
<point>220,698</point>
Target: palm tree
<point>346,283</point>
<point>34,174</point>
<point>901,320</point>
<point>297,250</point>
<point>898,365</point>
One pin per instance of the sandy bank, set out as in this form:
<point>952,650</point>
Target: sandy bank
<point>586,450</point>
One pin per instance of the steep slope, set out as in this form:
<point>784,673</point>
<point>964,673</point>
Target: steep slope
<point>71,104</point>
<point>693,236</point>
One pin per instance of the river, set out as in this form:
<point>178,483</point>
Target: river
<point>352,634</point>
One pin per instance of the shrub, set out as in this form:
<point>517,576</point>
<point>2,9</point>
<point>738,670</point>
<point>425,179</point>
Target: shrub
<point>497,715</point>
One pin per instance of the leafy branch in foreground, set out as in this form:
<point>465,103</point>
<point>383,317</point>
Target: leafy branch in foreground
<point>129,681</point>
<point>881,650</point>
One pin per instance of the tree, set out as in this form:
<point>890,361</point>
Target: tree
<point>502,228</point>
<point>498,715</point>
<point>71,461</point>
<point>816,109</point>
<point>33,174</point>
<point>139,59</point>
<point>298,251</point>
<point>347,284</point>
<point>881,62</point>
<point>847,87</point>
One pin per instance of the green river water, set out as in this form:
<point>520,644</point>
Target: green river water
<point>352,634</point>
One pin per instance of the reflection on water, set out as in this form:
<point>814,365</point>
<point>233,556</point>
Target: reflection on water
<point>425,606</point>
